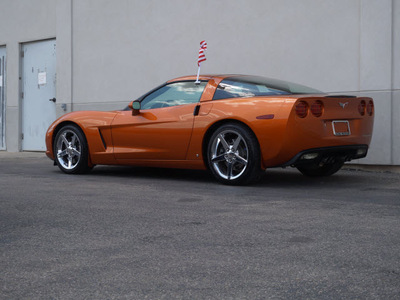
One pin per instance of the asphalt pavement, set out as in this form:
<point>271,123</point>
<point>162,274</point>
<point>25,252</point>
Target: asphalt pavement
<point>142,233</point>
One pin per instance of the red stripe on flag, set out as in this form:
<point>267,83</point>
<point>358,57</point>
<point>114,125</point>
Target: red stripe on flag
<point>203,45</point>
<point>202,57</point>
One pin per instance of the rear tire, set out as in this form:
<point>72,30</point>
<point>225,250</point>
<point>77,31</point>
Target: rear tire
<point>233,155</point>
<point>317,171</point>
<point>71,150</point>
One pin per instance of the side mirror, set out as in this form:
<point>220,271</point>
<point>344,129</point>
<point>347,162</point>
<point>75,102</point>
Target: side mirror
<point>135,106</point>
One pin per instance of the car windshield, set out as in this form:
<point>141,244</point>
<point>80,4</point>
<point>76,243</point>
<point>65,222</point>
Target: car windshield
<point>252,86</point>
<point>173,94</point>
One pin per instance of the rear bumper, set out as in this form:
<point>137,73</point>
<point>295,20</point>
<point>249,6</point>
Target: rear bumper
<point>327,155</point>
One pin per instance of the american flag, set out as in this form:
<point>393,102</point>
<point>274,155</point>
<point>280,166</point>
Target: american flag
<point>202,56</point>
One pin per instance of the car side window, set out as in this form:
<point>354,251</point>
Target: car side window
<point>238,89</point>
<point>173,94</point>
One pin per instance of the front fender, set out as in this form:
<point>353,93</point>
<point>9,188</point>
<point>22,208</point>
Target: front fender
<point>90,122</point>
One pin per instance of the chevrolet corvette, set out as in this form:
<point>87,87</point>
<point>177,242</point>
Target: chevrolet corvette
<point>236,126</point>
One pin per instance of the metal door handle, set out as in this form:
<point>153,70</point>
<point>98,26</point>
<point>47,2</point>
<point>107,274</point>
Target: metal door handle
<point>53,99</point>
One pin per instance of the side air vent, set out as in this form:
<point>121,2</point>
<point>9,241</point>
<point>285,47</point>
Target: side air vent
<point>102,139</point>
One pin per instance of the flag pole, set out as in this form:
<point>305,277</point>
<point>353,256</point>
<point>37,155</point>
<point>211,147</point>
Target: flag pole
<point>198,74</point>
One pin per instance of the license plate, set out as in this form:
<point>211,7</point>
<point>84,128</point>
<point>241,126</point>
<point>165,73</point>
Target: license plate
<point>341,128</point>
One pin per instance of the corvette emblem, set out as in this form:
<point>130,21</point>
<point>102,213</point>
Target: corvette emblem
<point>343,105</point>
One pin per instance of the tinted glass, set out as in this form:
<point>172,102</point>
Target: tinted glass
<point>252,86</point>
<point>173,94</point>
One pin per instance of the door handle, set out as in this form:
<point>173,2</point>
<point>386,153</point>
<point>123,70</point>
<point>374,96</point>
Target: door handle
<point>53,99</point>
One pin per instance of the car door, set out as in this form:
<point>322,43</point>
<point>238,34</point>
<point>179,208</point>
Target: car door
<point>163,128</point>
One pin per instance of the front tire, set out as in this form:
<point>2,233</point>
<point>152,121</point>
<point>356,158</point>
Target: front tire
<point>71,150</point>
<point>233,155</point>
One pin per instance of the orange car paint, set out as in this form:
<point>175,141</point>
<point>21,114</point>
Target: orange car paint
<point>174,137</point>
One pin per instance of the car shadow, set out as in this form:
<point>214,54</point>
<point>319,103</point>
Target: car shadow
<point>152,173</point>
<point>292,178</point>
<point>278,178</point>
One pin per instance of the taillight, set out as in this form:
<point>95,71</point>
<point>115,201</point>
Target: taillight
<point>361,107</point>
<point>317,108</point>
<point>370,108</point>
<point>302,109</point>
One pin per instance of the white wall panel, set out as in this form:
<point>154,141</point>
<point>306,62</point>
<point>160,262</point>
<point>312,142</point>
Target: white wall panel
<point>396,83</point>
<point>126,49</point>
<point>396,46</point>
<point>64,54</point>
<point>396,128</point>
<point>12,129</point>
<point>376,45</point>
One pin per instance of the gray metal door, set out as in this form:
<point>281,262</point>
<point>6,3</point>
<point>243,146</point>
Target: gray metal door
<point>38,92</point>
<point>2,98</point>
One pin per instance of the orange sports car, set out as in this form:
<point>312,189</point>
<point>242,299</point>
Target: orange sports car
<point>234,125</point>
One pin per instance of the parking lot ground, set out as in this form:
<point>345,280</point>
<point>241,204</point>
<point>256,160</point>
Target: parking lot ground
<point>141,233</point>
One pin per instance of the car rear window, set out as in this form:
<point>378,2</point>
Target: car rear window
<point>253,86</point>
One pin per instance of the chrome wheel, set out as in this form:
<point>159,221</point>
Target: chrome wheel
<point>68,149</point>
<point>229,154</point>
<point>233,154</point>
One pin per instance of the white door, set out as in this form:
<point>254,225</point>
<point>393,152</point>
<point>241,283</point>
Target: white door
<point>2,98</point>
<point>38,92</point>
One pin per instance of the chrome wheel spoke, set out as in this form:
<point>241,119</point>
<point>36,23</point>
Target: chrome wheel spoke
<point>76,152</point>
<point>73,140</point>
<point>223,142</point>
<point>229,170</point>
<point>218,158</point>
<point>69,162</point>
<point>241,160</point>
<point>64,139</point>
<point>62,153</point>
<point>236,143</point>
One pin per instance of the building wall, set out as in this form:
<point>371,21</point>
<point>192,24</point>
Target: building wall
<point>111,52</point>
<point>21,21</point>
<point>395,108</point>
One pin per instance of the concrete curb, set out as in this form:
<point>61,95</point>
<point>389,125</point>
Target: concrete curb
<point>24,154</point>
